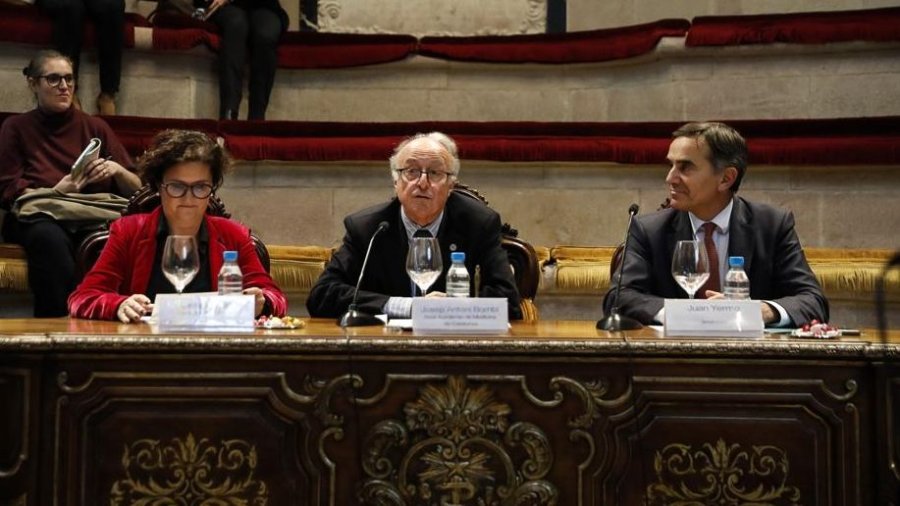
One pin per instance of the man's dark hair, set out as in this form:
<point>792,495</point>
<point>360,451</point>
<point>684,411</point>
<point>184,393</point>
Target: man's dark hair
<point>171,147</point>
<point>726,146</point>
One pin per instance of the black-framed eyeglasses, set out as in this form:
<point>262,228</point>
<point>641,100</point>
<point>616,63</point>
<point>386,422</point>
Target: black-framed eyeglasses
<point>412,175</point>
<point>177,189</point>
<point>55,79</point>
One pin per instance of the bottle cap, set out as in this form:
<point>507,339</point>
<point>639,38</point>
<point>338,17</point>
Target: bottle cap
<point>735,261</point>
<point>458,256</point>
<point>230,256</point>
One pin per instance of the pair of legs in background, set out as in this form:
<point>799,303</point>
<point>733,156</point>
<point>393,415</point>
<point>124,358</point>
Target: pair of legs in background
<point>108,17</point>
<point>52,271</point>
<point>256,30</point>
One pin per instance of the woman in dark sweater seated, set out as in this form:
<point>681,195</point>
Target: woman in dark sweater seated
<point>37,150</point>
<point>186,167</point>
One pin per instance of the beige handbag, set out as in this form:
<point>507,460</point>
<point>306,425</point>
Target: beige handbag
<point>76,211</point>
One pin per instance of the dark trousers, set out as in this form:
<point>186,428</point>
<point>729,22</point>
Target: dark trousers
<point>108,17</point>
<point>50,251</point>
<point>259,30</point>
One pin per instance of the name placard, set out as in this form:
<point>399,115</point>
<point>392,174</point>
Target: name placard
<point>713,318</point>
<point>204,312</point>
<point>487,315</point>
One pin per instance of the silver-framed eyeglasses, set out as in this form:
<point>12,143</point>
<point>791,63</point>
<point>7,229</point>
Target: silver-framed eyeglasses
<point>55,79</point>
<point>177,189</point>
<point>412,175</point>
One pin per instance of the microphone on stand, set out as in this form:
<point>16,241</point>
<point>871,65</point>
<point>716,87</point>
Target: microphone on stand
<point>354,317</point>
<point>879,297</point>
<point>614,321</point>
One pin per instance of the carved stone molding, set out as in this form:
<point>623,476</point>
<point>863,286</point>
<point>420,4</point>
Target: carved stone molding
<point>189,472</point>
<point>722,474</point>
<point>432,17</point>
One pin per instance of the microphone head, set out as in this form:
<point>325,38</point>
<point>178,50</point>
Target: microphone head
<point>383,226</point>
<point>633,209</point>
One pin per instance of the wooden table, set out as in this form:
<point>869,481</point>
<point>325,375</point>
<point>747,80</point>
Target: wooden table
<point>552,413</point>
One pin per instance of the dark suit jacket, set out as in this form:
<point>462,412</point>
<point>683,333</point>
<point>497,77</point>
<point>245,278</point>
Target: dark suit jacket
<point>762,234</point>
<point>467,226</point>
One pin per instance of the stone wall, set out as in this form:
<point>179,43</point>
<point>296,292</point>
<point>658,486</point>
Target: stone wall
<point>469,17</point>
<point>672,83</point>
<point>593,14</point>
<point>565,204</point>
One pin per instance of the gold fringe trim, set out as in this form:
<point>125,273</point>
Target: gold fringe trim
<point>296,276</point>
<point>299,253</point>
<point>529,310</point>
<point>543,254</point>
<point>581,254</point>
<point>577,269</point>
<point>13,275</point>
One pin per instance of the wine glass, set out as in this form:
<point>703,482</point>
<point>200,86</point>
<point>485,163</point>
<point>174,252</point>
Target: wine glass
<point>423,262</point>
<point>690,266</point>
<point>180,261</point>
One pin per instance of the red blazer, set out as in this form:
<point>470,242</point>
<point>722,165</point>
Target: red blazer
<point>125,265</point>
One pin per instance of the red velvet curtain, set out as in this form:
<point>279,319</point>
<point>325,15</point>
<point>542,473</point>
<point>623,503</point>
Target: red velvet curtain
<point>843,141</point>
<point>874,25</point>
<point>573,47</point>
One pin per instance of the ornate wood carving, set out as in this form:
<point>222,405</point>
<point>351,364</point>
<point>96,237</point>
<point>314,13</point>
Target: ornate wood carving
<point>457,445</point>
<point>722,474</point>
<point>189,472</point>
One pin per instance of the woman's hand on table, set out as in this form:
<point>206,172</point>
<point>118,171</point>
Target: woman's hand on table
<point>133,308</point>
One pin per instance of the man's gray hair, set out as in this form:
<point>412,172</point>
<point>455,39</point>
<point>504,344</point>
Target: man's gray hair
<point>441,138</point>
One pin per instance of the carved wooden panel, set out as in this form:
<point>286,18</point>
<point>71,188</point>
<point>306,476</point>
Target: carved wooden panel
<point>587,433</point>
<point>738,434</point>
<point>465,430</point>
<point>18,431</point>
<point>888,428</point>
<point>193,431</point>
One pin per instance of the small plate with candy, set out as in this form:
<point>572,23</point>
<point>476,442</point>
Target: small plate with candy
<point>817,330</point>
<point>283,322</point>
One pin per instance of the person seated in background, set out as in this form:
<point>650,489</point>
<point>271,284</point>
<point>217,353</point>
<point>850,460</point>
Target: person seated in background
<point>185,167</point>
<point>424,169</point>
<point>108,17</point>
<point>37,150</point>
<point>257,24</point>
<point>708,162</point>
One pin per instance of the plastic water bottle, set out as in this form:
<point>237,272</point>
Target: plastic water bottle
<point>737,284</point>
<point>231,279</point>
<point>458,276</point>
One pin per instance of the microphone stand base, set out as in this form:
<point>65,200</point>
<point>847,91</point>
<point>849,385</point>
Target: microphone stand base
<point>615,322</point>
<point>354,318</point>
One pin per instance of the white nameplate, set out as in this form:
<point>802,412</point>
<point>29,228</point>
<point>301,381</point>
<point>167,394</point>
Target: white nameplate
<point>459,315</point>
<point>713,318</point>
<point>206,311</point>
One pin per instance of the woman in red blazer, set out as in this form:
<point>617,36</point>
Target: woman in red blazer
<point>185,167</point>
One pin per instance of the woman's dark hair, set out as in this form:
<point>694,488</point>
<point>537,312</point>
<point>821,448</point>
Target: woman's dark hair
<point>36,65</point>
<point>171,147</point>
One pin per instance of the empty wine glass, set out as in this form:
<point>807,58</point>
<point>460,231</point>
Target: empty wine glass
<point>423,262</point>
<point>180,261</point>
<point>690,266</point>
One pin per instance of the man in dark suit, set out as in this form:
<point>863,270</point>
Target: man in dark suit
<point>424,168</point>
<point>708,162</point>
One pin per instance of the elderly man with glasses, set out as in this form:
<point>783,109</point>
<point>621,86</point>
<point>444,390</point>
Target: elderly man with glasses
<point>424,168</point>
